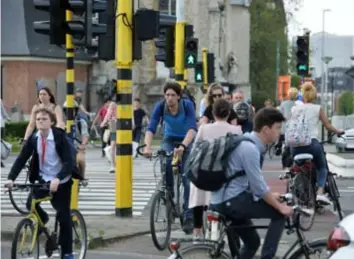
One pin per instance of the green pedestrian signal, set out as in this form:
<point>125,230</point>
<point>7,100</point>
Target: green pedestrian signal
<point>302,68</point>
<point>190,52</point>
<point>198,72</point>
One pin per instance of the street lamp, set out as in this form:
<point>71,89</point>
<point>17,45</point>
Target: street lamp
<point>326,60</point>
<point>323,51</point>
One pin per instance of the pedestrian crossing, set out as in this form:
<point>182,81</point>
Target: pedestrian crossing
<point>98,197</point>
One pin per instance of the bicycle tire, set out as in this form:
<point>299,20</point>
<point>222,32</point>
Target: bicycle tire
<point>309,195</point>
<point>24,211</point>
<point>334,194</point>
<point>179,190</point>
<point>315,245</point>
<point>84,243</point>
<point>157,197</point>
<point>20,225</point>
<point>202,250</point>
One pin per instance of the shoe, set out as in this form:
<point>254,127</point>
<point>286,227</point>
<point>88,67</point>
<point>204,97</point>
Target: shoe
<point>112,170</point>
<point>71,256</point>
<point>188,226</point>
<point>323,199</point>
<point>197,239</point>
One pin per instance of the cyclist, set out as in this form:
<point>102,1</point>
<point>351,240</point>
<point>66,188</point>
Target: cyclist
<point>314,115</point>
<point>52,163</point>
<point>247,197</point>
<point>179,119</point>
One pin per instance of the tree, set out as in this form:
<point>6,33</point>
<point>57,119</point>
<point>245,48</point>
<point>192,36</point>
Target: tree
<point>346,104</point>
<point>268,25</point>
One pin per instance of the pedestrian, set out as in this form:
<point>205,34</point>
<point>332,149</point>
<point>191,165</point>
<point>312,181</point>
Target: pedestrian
<point>199,199</point>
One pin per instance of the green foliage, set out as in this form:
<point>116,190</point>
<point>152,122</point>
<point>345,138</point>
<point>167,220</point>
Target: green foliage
<point>346,104</point>
<point>268,25</point>
<point>258,98</point>
<point>15,129</point>
<point>295,81</point>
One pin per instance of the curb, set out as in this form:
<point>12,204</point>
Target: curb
<point>344,168</point>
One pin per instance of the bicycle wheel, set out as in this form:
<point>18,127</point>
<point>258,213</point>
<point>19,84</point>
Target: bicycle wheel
<point>80,242</point>
<point>318,247</point>
<point>160,242</point>
<point>21,196</point>
<point>179,191</point>
<point>303,193</point>
<point>334,194</point>
<point>197,251</point>
<point>20,238</point>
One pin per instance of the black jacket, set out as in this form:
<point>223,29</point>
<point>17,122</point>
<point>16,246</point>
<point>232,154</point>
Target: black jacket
<point>30,149</point>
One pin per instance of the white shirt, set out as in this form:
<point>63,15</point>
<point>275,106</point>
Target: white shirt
<point>52,163</point>
<point>312,117</point>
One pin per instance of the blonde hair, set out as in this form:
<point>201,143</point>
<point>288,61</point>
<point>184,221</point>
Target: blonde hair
<point>292,93</point>
<point>309,92</point>
<point>212,87</point>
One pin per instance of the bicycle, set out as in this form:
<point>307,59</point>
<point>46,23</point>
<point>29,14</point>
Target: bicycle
<point>302,185</point>
<point>37,227</point>
<point>173,207</point>
<point>215,249</point>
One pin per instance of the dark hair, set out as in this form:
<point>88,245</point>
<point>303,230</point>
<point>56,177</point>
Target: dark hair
<point>137,100</point>
<point>51,114</point>
<point>173,86</point>
<point>49,92</point>
<point>267,117</point>
<point>221,108</point>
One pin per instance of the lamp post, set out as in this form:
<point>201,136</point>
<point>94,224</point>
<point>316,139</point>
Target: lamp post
<point>326,60</point>
<point>323,52</point>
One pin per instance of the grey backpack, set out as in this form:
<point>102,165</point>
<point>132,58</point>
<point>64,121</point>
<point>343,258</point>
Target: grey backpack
<point>206,167</point>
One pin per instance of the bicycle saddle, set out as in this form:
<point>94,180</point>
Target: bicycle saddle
<point>300,159</point>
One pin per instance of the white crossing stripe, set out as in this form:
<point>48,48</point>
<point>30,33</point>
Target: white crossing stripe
<point>98,197</point>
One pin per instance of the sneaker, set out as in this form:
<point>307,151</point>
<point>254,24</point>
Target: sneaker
<point>188,226</point>
<point>197,239</point>
<point>112,170</point>
<point>69,256</point>
<point>323,199</point>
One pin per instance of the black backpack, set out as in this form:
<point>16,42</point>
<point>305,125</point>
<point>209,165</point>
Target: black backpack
<point>207,164</point>
<point>188,96</point>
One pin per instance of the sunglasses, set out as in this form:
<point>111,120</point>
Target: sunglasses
<point>217,95</point>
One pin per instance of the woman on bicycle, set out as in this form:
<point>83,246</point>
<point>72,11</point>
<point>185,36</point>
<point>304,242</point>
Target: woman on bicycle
<point>199,199</point>
<point>45,100</point>
<point>315,115</point>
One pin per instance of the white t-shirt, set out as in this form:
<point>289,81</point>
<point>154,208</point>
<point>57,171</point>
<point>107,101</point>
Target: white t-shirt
<point>312,117</point>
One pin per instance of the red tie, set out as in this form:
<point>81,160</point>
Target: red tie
<point>44,145</point>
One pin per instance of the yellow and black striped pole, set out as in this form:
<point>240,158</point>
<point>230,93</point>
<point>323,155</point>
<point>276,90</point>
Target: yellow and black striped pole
<point>124,63</point>
<point>205,69</point>
<point>70,81</point>
<point>179,53</point>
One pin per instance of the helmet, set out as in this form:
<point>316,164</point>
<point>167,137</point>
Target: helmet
<point>242,110</point>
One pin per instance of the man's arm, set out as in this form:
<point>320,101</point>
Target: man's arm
<point>21,160</point>
<point>154,121</point>
<point>191,122</point>
<point>250,159</point>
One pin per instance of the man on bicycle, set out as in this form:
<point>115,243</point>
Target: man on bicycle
<point>179,121</point>
<point>51,163</point>
<point>248,196</point>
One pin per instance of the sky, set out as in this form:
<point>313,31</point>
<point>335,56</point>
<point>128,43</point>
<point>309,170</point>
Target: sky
<point>339,21</point>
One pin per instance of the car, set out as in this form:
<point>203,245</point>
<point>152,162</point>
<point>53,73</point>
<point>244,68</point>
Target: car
<point>346,141</point>
<point>341,239</point>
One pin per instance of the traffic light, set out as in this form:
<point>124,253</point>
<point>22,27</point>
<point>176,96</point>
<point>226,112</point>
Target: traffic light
<point>198,72</point>
<point>82,30</point>
<point>166,41</point>
<point>211,68</point>
<point>302,55</point>
<point>190,52</point>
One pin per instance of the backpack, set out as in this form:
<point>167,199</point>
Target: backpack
<point>188,96</point>
<point>207,164</point>
<point>243,111</point>
<point>297,132</point>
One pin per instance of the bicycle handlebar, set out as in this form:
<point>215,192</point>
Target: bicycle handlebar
<point>288,199</point>
<point>158,152</point>
<point>331,137</point>
<point>41,186</point>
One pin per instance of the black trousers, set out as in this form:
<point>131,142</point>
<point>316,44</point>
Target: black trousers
<point>104,144</point>
<point>61,203</point>
<point>241,209</point>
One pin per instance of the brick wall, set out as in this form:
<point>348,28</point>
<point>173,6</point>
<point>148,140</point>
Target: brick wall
<point>20,78</point>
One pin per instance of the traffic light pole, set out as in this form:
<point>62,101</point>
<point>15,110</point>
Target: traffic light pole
<point>179,43</point>
<point>205,69</point>
<point>124,63</point>
<point>70,82</point>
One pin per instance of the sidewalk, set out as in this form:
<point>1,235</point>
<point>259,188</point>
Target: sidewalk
<point>340,163</point>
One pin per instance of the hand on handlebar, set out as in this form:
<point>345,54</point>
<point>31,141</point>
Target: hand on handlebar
<point>9,184</point>
<point>339,132</point>
<point>147,151</point>
<point>286,210</point>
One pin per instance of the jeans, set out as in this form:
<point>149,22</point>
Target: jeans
<point>137,134</point>
<point>61,203</point>
<point>319,160</point>
<point>240,210</point>
<point>168,145</point>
